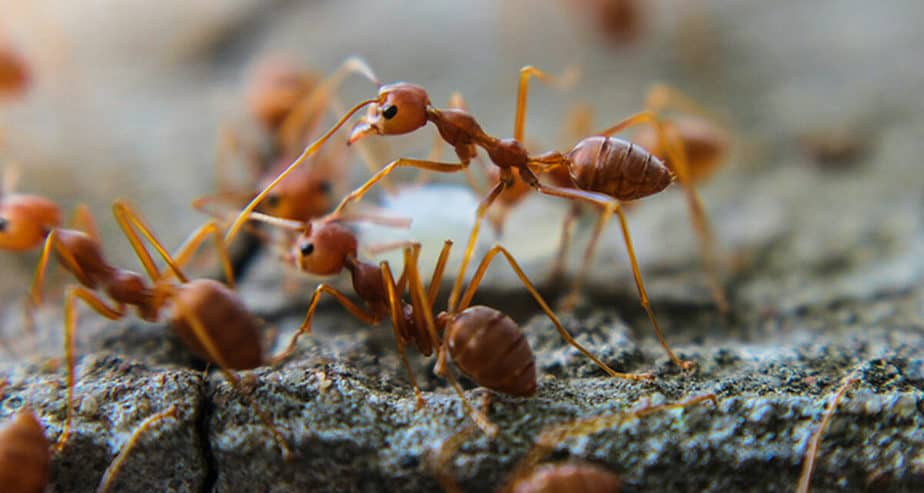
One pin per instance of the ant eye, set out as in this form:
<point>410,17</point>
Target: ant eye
<point>325,187</point>
<point>390,112</point>
<point>3,224</point>
<point>272,201</point>
<point>307,248</point>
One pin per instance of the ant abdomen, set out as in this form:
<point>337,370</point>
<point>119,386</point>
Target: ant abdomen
<point>233,330</point>
<point>24,455</point>
<point>491,349</point>
<point>617,168</point>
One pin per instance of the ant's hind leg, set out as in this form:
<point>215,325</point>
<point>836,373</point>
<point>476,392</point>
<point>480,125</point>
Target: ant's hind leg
<point>70,328</point>
<point>677,155</point>
<point>210,229</point>
<point>479,275</point>
<point>305,328</point>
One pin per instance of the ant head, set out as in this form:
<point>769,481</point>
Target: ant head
<point>304,195</point>
<point>400,109</point>
<point>324,249</point>
<point>25,220</point>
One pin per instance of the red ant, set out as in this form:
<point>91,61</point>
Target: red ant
<point>604,170</point>
<point>25,457</point>
<point>621,21</point>
<point>484,343</point>
<point>705,147</point>
<point>14,72</point>
<point>529,476</point>
<point>25,454</point>
<point>207,316</point>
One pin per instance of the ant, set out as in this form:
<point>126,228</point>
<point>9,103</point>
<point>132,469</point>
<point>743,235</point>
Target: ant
<point>604,170</point>
<point>484,343</point>
<point>811,451</point>
<point>705,146</point>
<point>14,72</point>
<point>529,476</point>
<point>25,454</point>
<point>621,21</point>
<point>208,317</point>
<point>25,457</point>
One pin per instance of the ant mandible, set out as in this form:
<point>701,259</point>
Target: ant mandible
<point>207,316</point>
<point>483,342</point>
<point>530,476</point>
<point>622,172</point>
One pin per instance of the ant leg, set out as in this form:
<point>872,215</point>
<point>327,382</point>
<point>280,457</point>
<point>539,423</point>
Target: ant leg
<point>677,155</point>
<point>215,356</point>
<point>443,457</point>
<point>811,451</point>
<point>437,278</point>
<point>70,326</point>
<point>554,435</point>
<point>472,240</point>
<point>362,314</point>
<point>418,298</point>
<point>311,149</point>
<point>479,275</point>
<point>128,220</point>
<point>567,79</point>
<point>441,460</point>
<point>109,476</point>
<point>192,243</point>
<point>83,221</point>
<point>396,311</point>
<point>358,194</point>
<point>367,154</point>
<point>558,269</point>
<point>572,297</point>
<point>51,241</point>
<point>611,205</point>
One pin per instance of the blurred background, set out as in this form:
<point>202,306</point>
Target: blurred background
<point>127,98</point>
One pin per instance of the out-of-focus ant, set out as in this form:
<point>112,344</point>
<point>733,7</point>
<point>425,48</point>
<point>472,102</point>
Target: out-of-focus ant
<point>532,476</point>
<point>25,454</point>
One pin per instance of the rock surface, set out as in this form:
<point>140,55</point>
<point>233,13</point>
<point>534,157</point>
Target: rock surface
<point>824,267</point>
